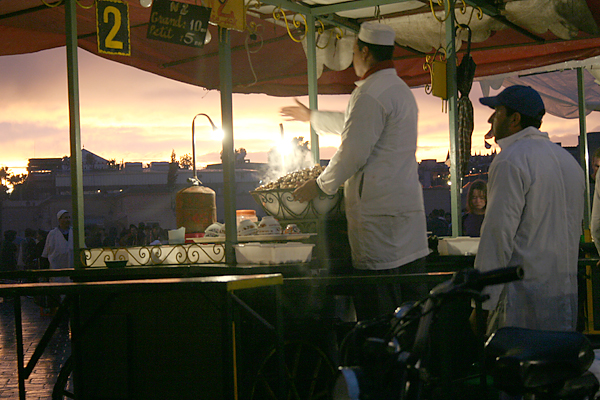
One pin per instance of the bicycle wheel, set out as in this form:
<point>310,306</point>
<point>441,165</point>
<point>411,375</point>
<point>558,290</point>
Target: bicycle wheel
<point>63,388</point>
<point>310,374</point>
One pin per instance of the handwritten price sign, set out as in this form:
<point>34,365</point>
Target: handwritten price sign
<point>179,23</point>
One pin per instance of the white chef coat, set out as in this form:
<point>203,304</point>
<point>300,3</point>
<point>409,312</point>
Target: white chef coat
<point>58,250</point>
<point>534,219</point>
<point>376,163</point>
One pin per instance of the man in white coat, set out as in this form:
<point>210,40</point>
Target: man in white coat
<point>533,217</point>
<point>59,243</point>
<point>376,164</point>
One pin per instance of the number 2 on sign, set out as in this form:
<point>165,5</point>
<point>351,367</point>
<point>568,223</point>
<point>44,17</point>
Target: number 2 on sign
<point>109,42</point>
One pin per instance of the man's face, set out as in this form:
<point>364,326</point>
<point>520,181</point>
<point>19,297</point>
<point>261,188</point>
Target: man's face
<point>358,60</point>
<point>65,221</point>
<point>595,167</point>
<point>501,123</point>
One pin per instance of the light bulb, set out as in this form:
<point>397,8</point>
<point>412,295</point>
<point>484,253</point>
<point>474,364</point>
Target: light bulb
<point>146,3</point>
<point>207,38</point>
<point>218,134</point>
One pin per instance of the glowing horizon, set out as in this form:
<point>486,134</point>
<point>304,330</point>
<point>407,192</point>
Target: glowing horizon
<point>134,116</point>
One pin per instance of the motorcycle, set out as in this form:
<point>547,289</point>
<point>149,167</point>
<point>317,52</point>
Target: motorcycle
<point>390,358</point>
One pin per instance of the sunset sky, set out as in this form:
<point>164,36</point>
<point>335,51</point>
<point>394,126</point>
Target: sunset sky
<point>131,115</point>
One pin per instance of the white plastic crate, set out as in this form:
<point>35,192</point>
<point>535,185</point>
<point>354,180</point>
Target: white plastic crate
<point>458,246</point>
<point>273,253</point>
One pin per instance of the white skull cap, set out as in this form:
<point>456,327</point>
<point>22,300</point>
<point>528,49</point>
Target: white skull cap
<point>377,33</point>
<point>60,213</point>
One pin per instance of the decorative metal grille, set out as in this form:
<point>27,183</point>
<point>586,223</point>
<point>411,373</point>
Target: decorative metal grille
<point>180,254</point>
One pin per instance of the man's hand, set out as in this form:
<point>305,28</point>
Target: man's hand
<point>296,113</point>
<point>308,191</point>
<point>473,321</point>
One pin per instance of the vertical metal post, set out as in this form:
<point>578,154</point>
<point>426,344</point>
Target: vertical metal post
<point>311,55</point>
<point>583,147</point>
<point>279,341</point>
<point>20,353</point>
<point>77,349</point>
<point>456,179</point>
<point>228,146</point>
<point>74,130</point>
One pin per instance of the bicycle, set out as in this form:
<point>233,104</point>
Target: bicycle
<point>390,358</point>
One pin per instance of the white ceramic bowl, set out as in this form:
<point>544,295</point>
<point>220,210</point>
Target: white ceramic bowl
<point>291,229</point>
<point>246,227</point>
<point>270,231</point>
<point>215,230</point>
<point>269,226</point>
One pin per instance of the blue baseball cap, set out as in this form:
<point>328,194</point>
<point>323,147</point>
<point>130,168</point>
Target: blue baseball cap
<point>523,99</point>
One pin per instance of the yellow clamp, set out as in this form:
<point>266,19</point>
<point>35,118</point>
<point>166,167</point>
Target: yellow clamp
<point>59,2</point>
<point>278,14</point>
<point>437,70</point>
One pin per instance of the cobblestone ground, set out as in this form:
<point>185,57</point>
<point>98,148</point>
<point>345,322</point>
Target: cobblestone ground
<point>41,381</point>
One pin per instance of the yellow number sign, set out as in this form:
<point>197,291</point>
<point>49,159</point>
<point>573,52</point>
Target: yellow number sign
<point>112,27</point>
<point>228,13</point>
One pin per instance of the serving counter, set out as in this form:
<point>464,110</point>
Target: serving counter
<point>164,309</point>
<point>144,308</point>
<point>152,338</point>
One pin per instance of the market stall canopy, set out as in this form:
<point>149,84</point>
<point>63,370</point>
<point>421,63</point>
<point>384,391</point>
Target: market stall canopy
<point>510,36</point>
<point>557,84</point>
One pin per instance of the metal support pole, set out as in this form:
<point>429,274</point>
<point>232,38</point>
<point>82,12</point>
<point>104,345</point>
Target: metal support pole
<point>20,352</point>
<point>311,55</point>
<point>228,145</point>
<point>583,147</point>
<point>74,131</point>
<point>456,179</point>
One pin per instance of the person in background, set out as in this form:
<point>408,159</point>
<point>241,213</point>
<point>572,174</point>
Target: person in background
<point>112,239</point>
<point>141,234</point>
<point>40,243</point>
<point>94,236</point>
<point>533,218</point>
<point>148,235</point>
<point>476,202</point>
<point>595,164</point>
<point>437,224</point>
<point>156,235</point>
<point>376,164</point>
<point>59,243</point>
<point>28,248</point>
<point>9,251</point>
<point>131,237</point>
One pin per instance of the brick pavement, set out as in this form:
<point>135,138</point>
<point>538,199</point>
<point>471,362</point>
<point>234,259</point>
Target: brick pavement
<point>40,383</point>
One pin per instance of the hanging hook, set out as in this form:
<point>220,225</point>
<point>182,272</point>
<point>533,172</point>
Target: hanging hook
<point>52,5</point>
<point>85,7</point>
<point>441,3</point>
<point>278,14</point>
<point>378,12</point>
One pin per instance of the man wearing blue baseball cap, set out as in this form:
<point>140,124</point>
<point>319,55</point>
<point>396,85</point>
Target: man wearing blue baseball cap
<point>533,217</point>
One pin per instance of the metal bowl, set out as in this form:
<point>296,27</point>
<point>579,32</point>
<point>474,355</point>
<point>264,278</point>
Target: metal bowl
<point>280,204</point>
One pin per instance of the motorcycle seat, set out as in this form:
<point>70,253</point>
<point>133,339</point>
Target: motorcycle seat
<point>525,360</point>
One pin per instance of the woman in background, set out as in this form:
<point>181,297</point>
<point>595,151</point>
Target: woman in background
<point>476,202</point>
